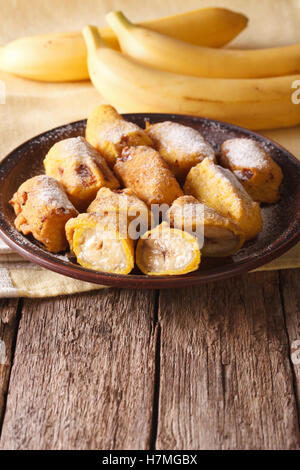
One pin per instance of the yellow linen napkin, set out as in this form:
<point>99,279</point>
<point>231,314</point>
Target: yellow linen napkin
<point>32,107</point>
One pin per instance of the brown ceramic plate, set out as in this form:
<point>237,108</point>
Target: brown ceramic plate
<point>281,220</point>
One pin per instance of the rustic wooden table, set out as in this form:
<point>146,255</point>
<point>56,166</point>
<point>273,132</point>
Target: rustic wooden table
<point>210,367</point>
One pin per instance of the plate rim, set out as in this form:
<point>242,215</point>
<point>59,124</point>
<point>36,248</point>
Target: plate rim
<point>142,280</point>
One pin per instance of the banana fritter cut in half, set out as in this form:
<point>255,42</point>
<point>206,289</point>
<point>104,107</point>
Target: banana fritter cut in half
<point>124,202</point>
<point>254,168</point>
<point>167,251</point>
<point>218,235</point>
<point>182,147</point>
<point>80,168</point>
<point>219,189</point>
<point>42,209</point>
<point>144,171</point>
<point>109,133</point>
<point>99,243</point>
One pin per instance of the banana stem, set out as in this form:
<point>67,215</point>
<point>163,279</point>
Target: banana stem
<point>118,21</point>
<point>93,38</point>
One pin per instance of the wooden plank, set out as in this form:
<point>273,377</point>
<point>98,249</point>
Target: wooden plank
<point>290,289</point>
<point>8,330</point>
<point>226,380</point>
<point>83,373</point>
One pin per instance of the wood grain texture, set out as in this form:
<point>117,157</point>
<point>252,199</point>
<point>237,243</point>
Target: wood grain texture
<point>226,379</point>
<point>83,373</point>
<point>290,289</point>
<point>8,329</point>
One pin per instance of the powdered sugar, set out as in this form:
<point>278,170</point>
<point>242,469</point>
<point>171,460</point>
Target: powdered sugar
<point>114,131</point>
<point>49,192</point>
<point>78,149</point>
<point>245,153</point>
<point>186,140</point>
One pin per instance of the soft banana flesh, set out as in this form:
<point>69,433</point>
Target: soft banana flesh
<point>99,244</point>
<point>167,251</point>
<point>220,242</point>
<point>261,103</point>
<point>218,236</point>
<point>62,56</point>
<point>166,53</point>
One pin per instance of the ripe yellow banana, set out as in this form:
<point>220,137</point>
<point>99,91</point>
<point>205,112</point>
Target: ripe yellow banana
<point>62,57</point>
<point>133,87</point>
<point>173,55</point>
<point>50,58</point>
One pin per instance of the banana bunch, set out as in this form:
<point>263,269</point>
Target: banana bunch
<point>257,103</point>
<point>170,54</point>
<point>170,65</point>
<point>62,56</point>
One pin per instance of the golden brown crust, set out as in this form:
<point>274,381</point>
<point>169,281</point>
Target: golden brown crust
<point>42,209</point>
<point>109,133</point>
<point>254,168</point>
<point>80,168</point>
<point>144,171</point>
<point>182,147</point>
<point>219,189</point>
<point>123,201</point>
